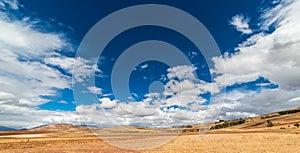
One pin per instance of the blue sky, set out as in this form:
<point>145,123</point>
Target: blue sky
<point>216,22</point>
<point>256,71</point>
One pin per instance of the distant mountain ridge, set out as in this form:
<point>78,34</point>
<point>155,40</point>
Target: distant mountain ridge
<point>57,127</point>
<point>3,128</point>
<point>280,120</point>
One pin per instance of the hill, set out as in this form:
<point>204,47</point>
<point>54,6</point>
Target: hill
<point>281,120</point>
<point>3,128</point>
<point>57,127</point>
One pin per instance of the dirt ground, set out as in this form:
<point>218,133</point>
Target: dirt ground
<point>252,136</point>
<point>214,141</point>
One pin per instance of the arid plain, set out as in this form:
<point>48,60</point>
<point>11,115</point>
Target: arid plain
<point>252,135</point>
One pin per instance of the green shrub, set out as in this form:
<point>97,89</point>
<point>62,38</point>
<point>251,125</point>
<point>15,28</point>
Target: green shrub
<point>288,112</point>
<point>183,126</point>
<point>228,124</point>
<point>269,123</point>
<point>268,116</point>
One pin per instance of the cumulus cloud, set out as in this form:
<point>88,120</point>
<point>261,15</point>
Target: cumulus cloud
<point>22,74</point>
<point>185,88</point>
<point>179,104</point>
<point>143,114</point>
<point>29,69</point>
<point>274,56</point>
<point>241,24</point>
<point>107,103</point>
<point>242,103</point>
<point>79,68</point>
<point>95,90</point>
<point>6,96</point>
<point>271,55</point>
<point>295,99</point>
<point>33,66</point>
<point>28,117</point>
<point>182,72</point>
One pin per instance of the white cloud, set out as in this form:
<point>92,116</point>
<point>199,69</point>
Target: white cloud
<point>295,99</point>
<point>6,96</point>
<point>241,24</point>
<point>144,66</point>
<point>274,56</point>
<point>183,87</point>
<point>27,70</point>
<point>155,109</point>
<point>24,79</point>
<point>28,117</point>
<point>21,73</point>
<point>267,101</point>
<point>188,88</point>
<point>107,103</point>
<point>20,38</point>
<point>62,102</point>
<point>95,90</point>
<point>135,109</point>
<point>182,72</point>
<point>272,16</point>
<point>143,114</point>
<point>12,4</point>
<point>80,68</point>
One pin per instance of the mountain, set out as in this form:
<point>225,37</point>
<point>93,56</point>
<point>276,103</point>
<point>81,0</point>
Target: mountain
<point>288,119</point>
<point>57,127</point>
<point>3,128</point>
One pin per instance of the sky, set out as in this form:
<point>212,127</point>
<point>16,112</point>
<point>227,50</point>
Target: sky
<point>51,69</point>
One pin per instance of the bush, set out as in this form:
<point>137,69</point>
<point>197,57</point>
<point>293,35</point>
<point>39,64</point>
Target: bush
<point>190,130</point>
<point>288,112</point>
<point>228,124</point>
<point>269,123</point>
<point>268,116</point>
<point>183,126</point>
<point>297,125</point>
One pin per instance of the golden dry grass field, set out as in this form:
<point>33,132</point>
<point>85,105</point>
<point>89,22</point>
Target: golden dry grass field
<point>252,136</point>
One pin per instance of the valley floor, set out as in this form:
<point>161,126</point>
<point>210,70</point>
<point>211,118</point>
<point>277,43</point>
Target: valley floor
<point>214,141</point>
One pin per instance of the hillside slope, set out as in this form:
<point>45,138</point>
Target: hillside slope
<point>3,128</point>
<point>57,127</point>
<point>278,120</point>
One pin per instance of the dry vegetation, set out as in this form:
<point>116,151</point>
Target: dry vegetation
<point>252,136</point>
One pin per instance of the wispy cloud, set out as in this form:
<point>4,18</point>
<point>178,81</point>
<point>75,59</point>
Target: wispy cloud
<point>95,90</point>
<point>29,70</point>
<point>23,72</point>
<point>32,67</point>
<point>274,56</point>
<point>241,24</point>
<point>11,4</point>
<point>183,89</point>
<point>295,99</point>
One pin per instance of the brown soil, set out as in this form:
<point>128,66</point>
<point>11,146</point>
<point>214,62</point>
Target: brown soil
<point>252,136</point>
